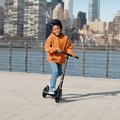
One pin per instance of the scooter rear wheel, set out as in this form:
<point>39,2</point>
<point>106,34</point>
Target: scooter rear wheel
<point>58,96</point>
<point>45,91</point>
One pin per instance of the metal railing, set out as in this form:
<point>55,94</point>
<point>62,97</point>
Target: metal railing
<point>102,62</point>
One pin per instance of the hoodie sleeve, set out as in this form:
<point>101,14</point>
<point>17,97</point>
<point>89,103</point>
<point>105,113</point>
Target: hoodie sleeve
<point>69,47</point>
<point>48,46</point>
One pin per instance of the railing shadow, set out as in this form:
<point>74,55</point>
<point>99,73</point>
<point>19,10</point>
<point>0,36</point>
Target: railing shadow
<point>78,97</point>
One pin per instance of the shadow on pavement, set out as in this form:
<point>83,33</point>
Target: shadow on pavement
<point>78,97</point>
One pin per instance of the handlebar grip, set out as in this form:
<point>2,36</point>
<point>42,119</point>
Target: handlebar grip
<point>70,55</point>
<point>77,57</point>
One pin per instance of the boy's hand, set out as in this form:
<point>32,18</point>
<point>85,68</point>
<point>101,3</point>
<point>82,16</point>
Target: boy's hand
<point>73,55</point>
<point>58,50</point>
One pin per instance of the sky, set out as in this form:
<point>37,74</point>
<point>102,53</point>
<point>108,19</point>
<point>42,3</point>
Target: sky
<point>107,8</point>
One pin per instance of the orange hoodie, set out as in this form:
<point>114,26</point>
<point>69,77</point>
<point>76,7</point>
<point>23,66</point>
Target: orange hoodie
<point>54,42</point>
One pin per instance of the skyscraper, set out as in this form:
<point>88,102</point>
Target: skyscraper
<point>55,2</point>
<point>58,12</point>
<point>66,16</point>
<point>14,17</point>
<point>93,10</point>
<point>25,18</point>
<point>68,5</point>
<point>50,7</point>
<point>34,19</point>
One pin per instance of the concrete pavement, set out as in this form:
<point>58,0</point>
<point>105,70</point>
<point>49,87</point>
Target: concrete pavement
<point>83,98</point>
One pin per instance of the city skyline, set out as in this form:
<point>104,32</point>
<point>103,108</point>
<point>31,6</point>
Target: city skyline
<point>108,8</point>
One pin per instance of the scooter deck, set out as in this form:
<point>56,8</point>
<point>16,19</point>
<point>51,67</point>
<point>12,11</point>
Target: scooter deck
<point>47,93</point>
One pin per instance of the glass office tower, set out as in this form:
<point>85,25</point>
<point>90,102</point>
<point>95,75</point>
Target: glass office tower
<point>93,10</point>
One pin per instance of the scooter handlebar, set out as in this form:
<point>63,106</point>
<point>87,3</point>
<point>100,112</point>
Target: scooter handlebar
<point>69,55</point>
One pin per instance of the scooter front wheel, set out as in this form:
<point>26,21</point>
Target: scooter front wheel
<point>58,96</point>
<point>45,91</point>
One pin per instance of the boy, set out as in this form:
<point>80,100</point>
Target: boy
<point>55,44</point>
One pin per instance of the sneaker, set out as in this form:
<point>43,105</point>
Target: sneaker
<point>51,92</point>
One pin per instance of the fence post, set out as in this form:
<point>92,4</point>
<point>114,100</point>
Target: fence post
<point>83,58</point>
<point>43,58</point>
<point>107,59</point>
<point>26,56</point>
<point>10,56</point>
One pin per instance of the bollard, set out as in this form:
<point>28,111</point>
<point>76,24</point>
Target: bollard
<point>43,58</point>
<point>26,56</point>
<point>10,56</point>
<point>107,59</point>
<point>83,58</point>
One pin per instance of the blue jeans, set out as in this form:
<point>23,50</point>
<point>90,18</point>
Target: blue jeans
<point>56,72</point>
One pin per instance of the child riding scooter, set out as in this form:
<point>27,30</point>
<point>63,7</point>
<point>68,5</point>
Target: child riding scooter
<point>57,44</point>
<point>58,92</point>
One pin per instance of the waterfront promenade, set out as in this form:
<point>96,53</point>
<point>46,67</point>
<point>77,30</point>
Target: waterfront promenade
<point>83,98</point>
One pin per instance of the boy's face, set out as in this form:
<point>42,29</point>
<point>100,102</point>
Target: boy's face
<point>56,30</point>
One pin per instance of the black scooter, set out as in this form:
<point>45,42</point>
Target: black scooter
<point>58,91</point>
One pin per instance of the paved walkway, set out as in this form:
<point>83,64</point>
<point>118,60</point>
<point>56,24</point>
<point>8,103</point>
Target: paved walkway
<point>83,98</point>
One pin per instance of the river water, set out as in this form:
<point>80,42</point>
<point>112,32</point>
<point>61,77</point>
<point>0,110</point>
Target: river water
<point>95,63</point>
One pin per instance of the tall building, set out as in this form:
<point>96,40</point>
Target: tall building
<point>1,19</point>
<point>93,10</point>
<point>80,20</point>
<point>66,16</point>
<point>14,17</point>
<point>55,2</point>
<point>58,12</point>
<point>68,5</point>
<point>35,19</point>
<point>52,4</point>
<point>49,15</point>
<point>50,7</point>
